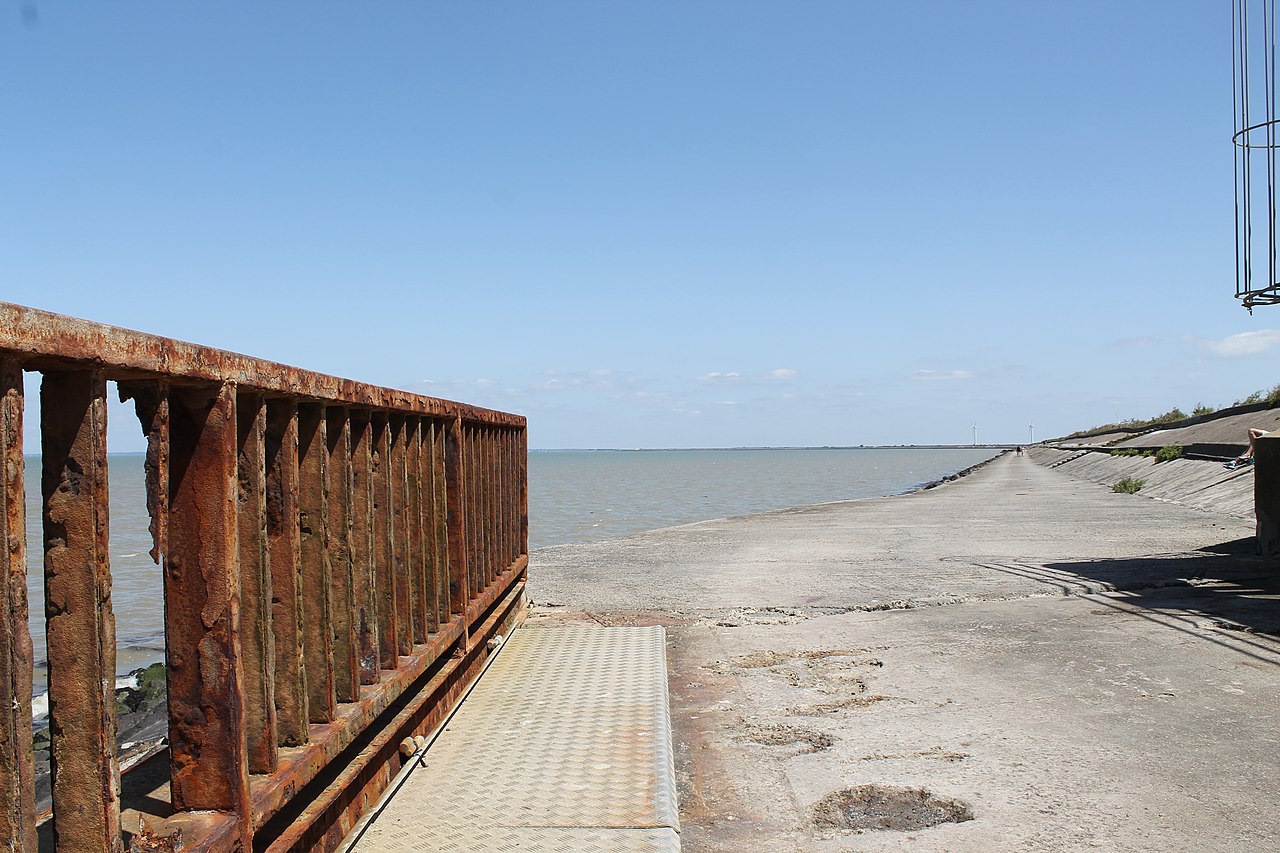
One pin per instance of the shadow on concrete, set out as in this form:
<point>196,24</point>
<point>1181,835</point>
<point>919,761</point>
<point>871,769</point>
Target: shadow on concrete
<point>1223,594</point>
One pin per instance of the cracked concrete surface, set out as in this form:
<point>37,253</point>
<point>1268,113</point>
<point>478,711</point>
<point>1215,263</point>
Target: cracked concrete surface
<point>1082,670</point>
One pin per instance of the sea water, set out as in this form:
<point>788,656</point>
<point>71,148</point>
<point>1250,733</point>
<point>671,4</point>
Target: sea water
<point>574,496</point>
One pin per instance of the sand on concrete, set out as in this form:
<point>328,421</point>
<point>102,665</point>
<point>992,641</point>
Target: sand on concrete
<point>1033,660</point>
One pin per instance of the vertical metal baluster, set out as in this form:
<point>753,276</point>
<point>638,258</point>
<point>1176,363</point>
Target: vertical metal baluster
<point>383,551</point>
<point>475,520</point>
<point>487,492</point>
<point>315,574</point>
<point>257,645</point>
<point>522,451</point>
<point>285,558</point>
<point>397,481</point>
<point>17,765</point>
<point>423,613</point>
<point>455,477</point>
<point>364,589</point>
<point>207,750</point>
<point>440,521</point>
<point>346,675</point>
<point>80,627</point>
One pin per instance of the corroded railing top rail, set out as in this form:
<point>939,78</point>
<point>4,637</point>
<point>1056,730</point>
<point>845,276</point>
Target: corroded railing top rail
<point>335,557</point>
<point>47,340</point>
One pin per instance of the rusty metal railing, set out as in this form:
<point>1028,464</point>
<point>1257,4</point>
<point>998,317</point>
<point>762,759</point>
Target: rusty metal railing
<point>335,557</point>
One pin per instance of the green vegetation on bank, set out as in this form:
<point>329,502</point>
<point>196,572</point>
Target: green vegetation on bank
<point>1127,486</point>
<point>1269,397</point>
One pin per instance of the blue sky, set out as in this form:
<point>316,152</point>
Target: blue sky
<point>652,224</point>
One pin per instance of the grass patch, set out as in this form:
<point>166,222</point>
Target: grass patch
<point>1168,453</point>
<point>1127,486</point>
<point>1126,451</point>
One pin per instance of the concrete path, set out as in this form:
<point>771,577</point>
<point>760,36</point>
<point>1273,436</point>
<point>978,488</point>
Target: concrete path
<point>1015,661</point>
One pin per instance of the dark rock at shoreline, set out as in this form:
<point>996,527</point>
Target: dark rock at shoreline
<point>143,723</point>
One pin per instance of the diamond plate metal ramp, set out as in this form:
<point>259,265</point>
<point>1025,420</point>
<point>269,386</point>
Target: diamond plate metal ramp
<point>563,745</point>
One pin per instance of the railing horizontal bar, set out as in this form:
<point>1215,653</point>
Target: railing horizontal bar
<point>43,339</point>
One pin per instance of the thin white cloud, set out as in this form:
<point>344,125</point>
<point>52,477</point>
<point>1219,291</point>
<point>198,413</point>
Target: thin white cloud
<point>1243,344</point>
<point>943,374</point>
<point>717,376</point>
<point>781,373</point>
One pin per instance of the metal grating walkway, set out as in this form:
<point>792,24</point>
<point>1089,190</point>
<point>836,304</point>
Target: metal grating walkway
<point>563,745</point>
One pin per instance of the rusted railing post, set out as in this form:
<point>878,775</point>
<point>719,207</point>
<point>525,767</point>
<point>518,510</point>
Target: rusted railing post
<point>17,770</point>
<point>313,521</point>
<point>362,551</point>
<point>398,481</point>
<point>79,624</point>
<point>207,749</point>
<point>384,546</point>
<point>346,674</point>
<point>523,453</point>
<point>255,585</point>
<point>285,558</point>
<point>455,478</point>
<point>440,523</point>
<point>423,619</point>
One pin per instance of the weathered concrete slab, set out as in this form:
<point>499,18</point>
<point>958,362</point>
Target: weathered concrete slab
<point>1075,669</point>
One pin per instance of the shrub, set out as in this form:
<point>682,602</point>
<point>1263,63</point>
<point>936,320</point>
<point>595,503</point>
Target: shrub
<point>1271,398</point>
<point>1202,409</point>
<point>1124,451</point>
<point>1147,454</point>
<point>1168,453</point>
<point>1127,486</point>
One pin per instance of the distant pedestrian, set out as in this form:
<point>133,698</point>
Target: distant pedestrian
<point>1019,450</point>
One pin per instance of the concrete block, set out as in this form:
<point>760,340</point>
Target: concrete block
<point>1266,493</point>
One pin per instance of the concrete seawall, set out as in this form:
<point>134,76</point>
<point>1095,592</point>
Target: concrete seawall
<point>1196,483</point>
<point>1017,660</point>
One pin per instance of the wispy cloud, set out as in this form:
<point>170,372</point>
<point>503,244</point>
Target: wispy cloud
<point>1242,344</point>
<point>1136,343</point>
<point>943,374</point>
<point>778,374</point>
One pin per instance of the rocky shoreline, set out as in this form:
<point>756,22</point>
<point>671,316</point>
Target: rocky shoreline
<point>142,726</point>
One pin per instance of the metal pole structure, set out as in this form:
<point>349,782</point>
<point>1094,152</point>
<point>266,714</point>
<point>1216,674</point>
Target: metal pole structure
<point>1032,427</point>
<point>975,435</point>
